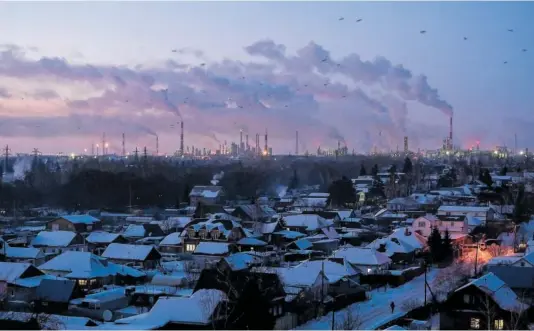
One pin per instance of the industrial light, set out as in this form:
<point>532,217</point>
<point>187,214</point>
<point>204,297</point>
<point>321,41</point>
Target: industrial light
<point>495,152</point>
<point>521,152</point>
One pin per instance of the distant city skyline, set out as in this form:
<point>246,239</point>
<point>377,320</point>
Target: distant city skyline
<point>70,71</point>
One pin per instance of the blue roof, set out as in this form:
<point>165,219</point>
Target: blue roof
<point>251,242</point>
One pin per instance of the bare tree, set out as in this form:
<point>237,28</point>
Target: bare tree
<point>350,320</point>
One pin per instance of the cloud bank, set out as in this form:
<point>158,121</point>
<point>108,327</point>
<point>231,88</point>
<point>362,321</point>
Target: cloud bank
<point>325,99</point>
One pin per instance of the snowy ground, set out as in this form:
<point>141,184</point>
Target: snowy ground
<point>376,311</point>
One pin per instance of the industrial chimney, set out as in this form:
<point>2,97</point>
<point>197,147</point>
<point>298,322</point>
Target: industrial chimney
<point>157,145</point>
<point>450,133</point>
<point>406,145</point>
<point>123,145</point>
<point>241,140</point>
<point>297,144</point>
<point>266,143</point>
<point>247,147</point>
<point>181,138</point>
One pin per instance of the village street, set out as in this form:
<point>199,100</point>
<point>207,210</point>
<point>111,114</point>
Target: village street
<point>376,311</point>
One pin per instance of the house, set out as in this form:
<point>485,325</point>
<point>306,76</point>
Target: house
<point>403,204</point>
<point>218,228</point>
<point>305,223</point>
<point>53,295</point>
<point>206,194</point>
<point>23,254</point>
<point>485,214</point>
<point>206,253</point>
<point>254,213</point>
<point>457,226</point>
<point>172,244</point>
<point>57,242</point>
<point>313,201</point>
<point>485,300</point>
<point>76,223</point>
<point>135,232</point>
<point>97,241</point>
<point>401,245</point>
<point>18,282</point>
<point>143,256</point>
<point>205,309</point>
<point>204,210</point>
<point>90,271</point>
<point>367,260</point>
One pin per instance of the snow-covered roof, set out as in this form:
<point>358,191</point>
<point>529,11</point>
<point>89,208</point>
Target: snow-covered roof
<point>292,276</point>
<point>197,310</point>
<point>134,231</point>
<point>127,252</point>
<point>172,239</point>
<point>80,219</point>
<point>23,252</point>
<point>464,209</point>
<point>290,234</point>
<point>177,222</point>
<point>85,265</point>
<point>309,221</point>
<point>53,238</point>
<point>333,271</point>
<point>212,248</point>
<point>251,242</point>
<point>10,271</point>
<point>101,237</point>
<point>472,220</point>
<point>498,291</point>
<point>205,191</point>
<point>241,261</point>
<point>362,256</point>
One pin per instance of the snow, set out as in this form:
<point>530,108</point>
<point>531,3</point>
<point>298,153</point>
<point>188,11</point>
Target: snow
<point>498,291</point>
<point>241,261</point>
<point>53,238</point>
<point>23,252</point>
<point>303,244</point>
<point>212,248</point>
<point>196,310</point>
<point>101,237</point>
<point>362,256</point>
<point>10,271</point>
<point>251,242</point>
<point>376,311</point>
<point>134,231</point>
<point>333,271</point>
<point>310,221</point>
<point>81,219</point>
<point>85,265</point>
<point>290,234</point>
<point>463,209</point>
<point>396,328</point>
<point>127,252</point>
<point>172,239</point>
<point>292,276</point>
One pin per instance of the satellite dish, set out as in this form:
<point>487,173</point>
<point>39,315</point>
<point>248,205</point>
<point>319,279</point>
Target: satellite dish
<point>107,316</point>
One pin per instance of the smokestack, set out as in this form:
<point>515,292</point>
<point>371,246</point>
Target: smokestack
<point>266,143</point>
<point>104,143</point>
<point>247,146</point>
<point>181,138</point>
<point>406,145</point>
<point>123,145</point>
<point>93,149</point>
<point>450,133</point>
<point>6,158</point>
<point>297,144</point>
<point>157,145</point>
<point>241,139</point>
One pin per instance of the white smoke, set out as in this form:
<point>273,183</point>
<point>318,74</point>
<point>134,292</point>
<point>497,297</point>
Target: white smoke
<point>281,190</point>
<point>217,177</point>
<point>21,167</point>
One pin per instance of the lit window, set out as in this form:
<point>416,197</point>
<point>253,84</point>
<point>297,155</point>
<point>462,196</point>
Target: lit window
<point>190,247</point>
<point>499,324</point>
<point>82,282</point>
<point>475,323</point>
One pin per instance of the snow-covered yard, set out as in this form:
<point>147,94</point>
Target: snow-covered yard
<point>377,311</point>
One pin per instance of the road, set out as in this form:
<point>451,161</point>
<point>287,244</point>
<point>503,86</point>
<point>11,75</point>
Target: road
<point>376,311</point>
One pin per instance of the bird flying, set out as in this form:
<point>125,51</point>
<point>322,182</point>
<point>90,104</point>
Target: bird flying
<point>524,50</point>
<point>505,62</point>
<point>465,38</point>
<point>341,18</point>
<point>423,31</point>
<point>510,30</point>
<point>359,20</point>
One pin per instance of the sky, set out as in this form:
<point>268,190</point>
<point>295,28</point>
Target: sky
<point>70,71</point>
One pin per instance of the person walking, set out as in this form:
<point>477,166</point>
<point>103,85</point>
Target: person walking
<point>392,305</point>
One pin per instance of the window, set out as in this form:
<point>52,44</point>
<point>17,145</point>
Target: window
<point>190,247</point>
<point>203,234</point>
<point>82,282</point>
<point>452,224</point>
<point>474,323</point>
<point>191,233</point>
<point>215,234</point>
<point>12,293</point>
<point>421,224</point>
<point>467,298</point>
<point>89,228</point>
<point>280,310</point>
<point>499,324</point>
<point>55,227</point>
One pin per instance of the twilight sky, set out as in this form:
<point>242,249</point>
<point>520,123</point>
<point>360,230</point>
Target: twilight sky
<point>70,71</point>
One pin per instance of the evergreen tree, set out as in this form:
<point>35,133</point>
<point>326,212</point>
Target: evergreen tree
<point>504,171</point>
<point>447,245</point>
<point>408,166</point>
<point>363,172</point>
<point>485,177</point>
<point>294,182</point>
<point>185,197</point>
<point>341,192</point>
<point>436,245</point>
<point>374,170</point>
<point>252,309</point>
